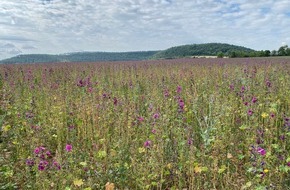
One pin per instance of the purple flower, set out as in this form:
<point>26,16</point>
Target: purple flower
<point>156,116</point>
<point>42,165</point>
<point>243,89</point>
<point>30,162</point>
<point>71,127</point>
<point>115,101</point>
<point>288,164</point>
<point>282,137</point>
<point>56,165</point>
<point>68,147</point>
<point>268,83</point>
<point>37,150</point>
<point>181,104</point>
<point>272,115</point>
<point>90,90</point>
<point>254,99</point>
<point>232,87</point>
<point>153,131</point>
<point>140,119</point>
<point>189,141</point>
<point>250,112</point>
<point>179,89</point>
<point>166,93</point>
<point>48,153</point>
<point>147,144</point>
<point>261,151</point>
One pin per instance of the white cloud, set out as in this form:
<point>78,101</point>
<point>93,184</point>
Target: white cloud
<point>58,26</point>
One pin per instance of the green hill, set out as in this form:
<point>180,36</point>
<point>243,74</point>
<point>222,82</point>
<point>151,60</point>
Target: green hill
<point>209,49</point>
<point>81,57</point>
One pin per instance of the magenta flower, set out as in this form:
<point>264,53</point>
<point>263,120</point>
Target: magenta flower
<point>179,89</point>
<point>288,164</point>
<point>42,165</point>
<point>48,153</point>
<point>254,99</point>
<point>261,151</point>
<point>68,147</point>
<point>30,162</point>
<point>147,144</point>
<point>56,165</point>
<point>153,131</point>
<point>37,150</point>
<point>189,141</point>
<point>140,118</point>
<point>156,116</point>
<point>166,93</point>
<point>250,112</point>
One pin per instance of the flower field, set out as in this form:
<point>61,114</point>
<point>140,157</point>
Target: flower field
<point>167,124</point>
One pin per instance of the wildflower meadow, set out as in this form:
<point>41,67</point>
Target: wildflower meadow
<point>166,124</point>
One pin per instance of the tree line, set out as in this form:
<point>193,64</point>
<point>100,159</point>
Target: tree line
<point>282,51</point>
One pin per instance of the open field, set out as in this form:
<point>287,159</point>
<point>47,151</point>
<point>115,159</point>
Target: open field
<point>168,124</point>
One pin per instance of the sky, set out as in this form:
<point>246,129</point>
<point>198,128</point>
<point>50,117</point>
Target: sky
<point>62,26</point>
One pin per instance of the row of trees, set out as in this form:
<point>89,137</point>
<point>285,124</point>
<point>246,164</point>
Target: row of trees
<point>282,51</point>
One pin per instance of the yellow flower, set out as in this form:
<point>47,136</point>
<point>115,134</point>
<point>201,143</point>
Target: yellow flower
<point>264,115</point>
<point>78,182</point>
<point>266,170</point>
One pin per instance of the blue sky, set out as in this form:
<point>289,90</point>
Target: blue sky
<point>60,26</point>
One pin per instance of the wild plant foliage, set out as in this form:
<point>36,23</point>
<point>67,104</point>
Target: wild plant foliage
<point>170,124</point>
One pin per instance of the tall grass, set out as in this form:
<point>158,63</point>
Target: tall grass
<point>172,124</point>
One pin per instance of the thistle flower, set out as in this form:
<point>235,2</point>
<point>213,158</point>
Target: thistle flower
<point>179,89</point>
<point>42,165</point>
<point>68,147</point>
<point>156,116</point>
<point>250,112</point>
<point>254,100</point>
<point>37,150</point>
<point>189,141</point>
<point>261,151</point>
<point>147,144</point>
<point>30,162</point>
<point>56,165</point>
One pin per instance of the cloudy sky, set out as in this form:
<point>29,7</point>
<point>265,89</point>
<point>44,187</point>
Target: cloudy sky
<point>60,26</point>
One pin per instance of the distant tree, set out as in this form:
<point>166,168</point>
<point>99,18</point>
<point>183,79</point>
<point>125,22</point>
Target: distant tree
<point>220,54</point>
<point>267,53</point>
<point>274,53</point>
<point>287,51</point>
<point>233,54</point>
<point>283,50</point>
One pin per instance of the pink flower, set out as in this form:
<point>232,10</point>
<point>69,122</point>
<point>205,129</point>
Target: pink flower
<point>156,116</point>
<point>147,144</point>
<point>37,150</point>
<point>250,112</point>
<point>68,147</point>
<point>140,119</point>
<point>179,89</point>
<point>261,151</point>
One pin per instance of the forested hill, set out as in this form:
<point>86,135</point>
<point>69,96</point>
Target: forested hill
<point>209,49</point>
<point>81,57</point>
